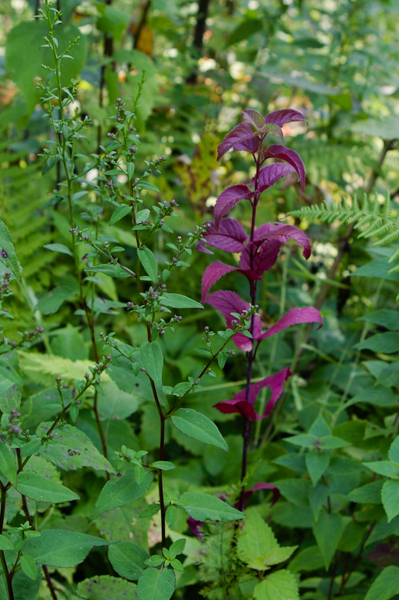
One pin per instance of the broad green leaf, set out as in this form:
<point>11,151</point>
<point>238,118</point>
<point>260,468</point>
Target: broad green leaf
<point>295,491</point>
<point>316,464</point>
<point>5,543</point>
<point>203,506</point>
<point>327,531</point>
<point>308,559</point>
<point>152,359</point>
<point>120,491</point>
<point>342,100</point>
<point>8,466</point>
<point>61,548</point>
<point>256,538</point>
<point>104,587</point>
<point>377,268</point>
<point>146,185</point>
<point>384,467</point>
<point>386,128</point>
<point>198,426</point>
<point>149,263</point>
<point>385,586</point>
<point>281,585</point>
<point>51,302</point>
<point>71,449</point>
<point>330,442</point>
<point>317,496</point>
<point>43,489</point>
<point>28,566</point>
<point>274,557</point>
<point>320,428</point>
<point>24,587</point>
<point>369,493</point>
<point>303,439</point>
<point>390,498</point>
<point>388,343</point>
<point>178,301</point>
<point>387,318</point>
<point>244,30</point>
<point>127,559</point>
<point>163,465</point>
<point>7,252</point>
<point>394,451</point>
<point>119,213</point>
<point>156,584</point>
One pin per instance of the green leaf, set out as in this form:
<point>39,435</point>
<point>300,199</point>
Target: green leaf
<point>50,163</point>
<point>377,268</point>
<point>28,566</point>
<point>244,31</point>
<point>58,248</point>
<point>320,428</point>
<point>127,559</point>
<point>114,271</point>
<point>384,467</point>
<point>178,301</point>
<point>303,439</point>
<point>386,318</point>
<point>198,426</point>
<point>146,185</point>
<point>342,100</point>
<point>388,343</point>
<point>163,465</point>
<point>152,359</point>
<point>368,493</point>
<point>281,585</point>
<point>309,559</point>
<point>43,489</point>
<point>327,531</point>
<point>330,442</point>
<point>317,496</point>
<point>119,213</point>
<point>316,464</point>
<point>394,451</point>
<point>149,263</point>
<point>6,245</point>
<point>177,547</point>
<point>8,466</point>
<point>130,170</point>
<point>5,543</point>
<point>390,498</point>
<point>203,506</point>
<point>156,584</point>
<point>51,302</point>
<point>104,587</point>
<point>71,449</point>
<point>120,491</point>
<point>61,548</point>
<point>385,586</point>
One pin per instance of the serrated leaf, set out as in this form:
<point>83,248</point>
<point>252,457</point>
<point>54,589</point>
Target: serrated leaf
<point>390,498</point>
<point>152,359</point>
<point>7,252</point>
<point>127,559</point>
<point>327,531</point>
<point>156,584</point>
<point>149,263</point>
<point>120,491</point>
<point>104,587</point>
<point>51,302</point>
<point>385,586</point>
<point>201,506</point>
<point>119,213</point>
<point>43,489</point>
<point>281,585</point>
<point>198,426</point>
<point>61,548</point>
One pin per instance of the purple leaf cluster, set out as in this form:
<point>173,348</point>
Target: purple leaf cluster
<point>259,249</point>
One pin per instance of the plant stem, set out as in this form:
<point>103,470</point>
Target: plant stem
<point>3,491</point>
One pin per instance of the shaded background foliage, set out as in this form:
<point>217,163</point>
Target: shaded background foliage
<point>337,63</point>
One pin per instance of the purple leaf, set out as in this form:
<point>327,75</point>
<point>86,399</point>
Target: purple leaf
<point>230,237</point>
<point>196,528</point>
<point>253,117</point>
<point>264,257</point>
<point>212,274</point>
<point>280,117</point>
<point>240,135</point>
<point>270,174</point>
<point>294,316</point>
<point>290,156</point>
<point>281,232</point>
<point>229,198</point>
<point>264,486</point>
<point>239,404</point>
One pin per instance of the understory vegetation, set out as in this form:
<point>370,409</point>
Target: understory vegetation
<point>199,267</point>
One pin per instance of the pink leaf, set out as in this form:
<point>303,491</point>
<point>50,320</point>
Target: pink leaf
<point>229,198</point>
<point>270,174</point>
<point>280,117</point>
<point>239,404</point>
<point>290,156</point>
<point>242,134</point>
<point>263,258</point>
<point>230,237</point>
<point>268,232</point>
<point>294,316</point>
<point>264,486</point>
<point>212,274</point>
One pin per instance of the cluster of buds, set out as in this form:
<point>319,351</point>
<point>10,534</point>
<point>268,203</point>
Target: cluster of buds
<point>111,185</point>
<point>5,284</point>
<point>240,323</point>
<point>131,152</point>
<point>12,426</point>
<point>27,336</point>
<point>121,115</point>
<point>154,164</point>
<point>97,370</point>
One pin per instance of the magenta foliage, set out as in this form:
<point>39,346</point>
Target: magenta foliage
<point>258,251</point>
<point>239,403</point>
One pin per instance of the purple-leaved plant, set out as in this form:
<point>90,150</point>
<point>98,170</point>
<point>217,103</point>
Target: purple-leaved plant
<point>259,252</point>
